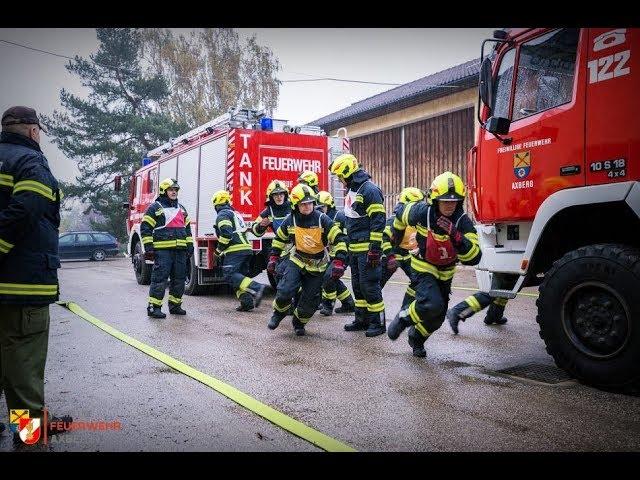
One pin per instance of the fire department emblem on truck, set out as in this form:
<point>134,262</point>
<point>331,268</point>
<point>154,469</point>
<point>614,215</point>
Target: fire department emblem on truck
<point>522,164</point>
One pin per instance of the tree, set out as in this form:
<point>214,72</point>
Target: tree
<point>121,120</point>
<point>211,71</point>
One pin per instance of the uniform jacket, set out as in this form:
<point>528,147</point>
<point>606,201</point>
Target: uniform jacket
<point>365,231</point>
<point>29,221</point>
<point>165,225</point>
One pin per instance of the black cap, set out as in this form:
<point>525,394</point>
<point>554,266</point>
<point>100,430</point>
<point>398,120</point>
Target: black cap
<point>17,115</point>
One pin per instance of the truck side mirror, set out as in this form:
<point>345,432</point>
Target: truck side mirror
<point>117,183</point>
<point>497,125</point>
<point>486,83</point>
<point>125,205</point>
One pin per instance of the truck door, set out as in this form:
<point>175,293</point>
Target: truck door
<point>613,103</point>
<point>545,102</point>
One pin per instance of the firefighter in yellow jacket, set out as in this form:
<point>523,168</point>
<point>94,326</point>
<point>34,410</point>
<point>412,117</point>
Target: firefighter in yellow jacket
<point>445,235</point>
<point>310,231</point>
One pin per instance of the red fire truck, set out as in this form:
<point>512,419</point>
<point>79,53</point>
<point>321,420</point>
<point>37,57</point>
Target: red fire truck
<point>554,184</point>
<point>241,151</point>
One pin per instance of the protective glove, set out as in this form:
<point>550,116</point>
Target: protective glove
<point>265,222</point>
<point>337,269</point>
<point>392,263</point>
<point>216,258</point>
<point>271,266</point>
<point>448,226</point>
<point>150,255</point>
<point>373,258</point>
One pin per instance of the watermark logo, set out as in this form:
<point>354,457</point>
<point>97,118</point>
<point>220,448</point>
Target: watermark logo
<point>29,429</point>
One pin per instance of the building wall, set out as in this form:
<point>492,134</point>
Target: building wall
<point>431,146</point>
<point>456,101</point>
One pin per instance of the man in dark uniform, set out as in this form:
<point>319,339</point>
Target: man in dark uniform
<point>365,222</point>
<point>166,236</point>
<point>234,252</point>
<point>311,232</point>
<point>445,235</point>
<point>29,262</point>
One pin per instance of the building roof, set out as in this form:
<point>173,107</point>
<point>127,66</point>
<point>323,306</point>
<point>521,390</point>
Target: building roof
<point>419,91</point>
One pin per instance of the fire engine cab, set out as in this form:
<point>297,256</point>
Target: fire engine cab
<point>554,182</point>
<point>241,151</point>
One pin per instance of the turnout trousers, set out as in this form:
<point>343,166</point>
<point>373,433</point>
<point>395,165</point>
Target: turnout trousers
<point>367,291</point>
<point>170,263</point>
<point>24,340</point>
<point>295,279</point>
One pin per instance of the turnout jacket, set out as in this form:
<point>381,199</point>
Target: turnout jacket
<point>318,231</point>
<point>165,225</point>
<point>275,213</point>
<point>424,218</point>
<point>364,212</point>
<point>230,229</point>
<point>29,221</point>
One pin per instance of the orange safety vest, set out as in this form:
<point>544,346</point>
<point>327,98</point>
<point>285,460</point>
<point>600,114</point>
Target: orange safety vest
<point>409,241</point>
<point>308,239</point>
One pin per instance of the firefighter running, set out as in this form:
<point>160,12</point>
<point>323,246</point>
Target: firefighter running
<point>234,252</point>
<point>474,304</point>
<point>278,208</point>
<point>333,289</point>
<point>310,231</point>
<point>365,222</point>
<point>166,236</point>
<point>445,234</point>
<point>401,253</point>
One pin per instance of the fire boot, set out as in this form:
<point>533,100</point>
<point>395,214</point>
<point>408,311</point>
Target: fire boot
<point>276,318</point>
<point>155,312</point>
<point>347,306</point>
<point>401,321</point>
<point>246,302</point>
<point>494,315</point>
<point>176,309</point>
<point>298,326</point>
<point>326,308</point>
<point>454,319</point>
<point>416,342</point>
<point>377,324</point>
<point>360,323</point>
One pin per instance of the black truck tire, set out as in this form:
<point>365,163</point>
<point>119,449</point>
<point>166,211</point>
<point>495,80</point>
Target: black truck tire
<point>140,268</point>
<point>191,286</point>
<point>589,315</point>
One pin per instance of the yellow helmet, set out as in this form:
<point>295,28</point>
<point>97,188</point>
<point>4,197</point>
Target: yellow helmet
<point>168,183</point>
<point>308,177</point>
<point>325,198</point>
<point>411,194</point>
<point>220,198</point>
<point>302,193</point>
<point>344,165</point>
<point>276,186</point>
<point>447,187</point>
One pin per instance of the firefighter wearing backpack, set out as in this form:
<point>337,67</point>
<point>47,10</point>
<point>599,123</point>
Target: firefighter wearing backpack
<point>233,252</point>
<point>400,255</point>
<point>445,235</point>
<point>166,236</point>
<point>474,304</point>
<point>310,231</point>
<point>333,289</point>
<point>365,222</point>
<point>311,179</point>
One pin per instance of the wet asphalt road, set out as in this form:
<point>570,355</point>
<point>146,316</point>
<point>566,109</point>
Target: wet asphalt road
<point>369,393</point>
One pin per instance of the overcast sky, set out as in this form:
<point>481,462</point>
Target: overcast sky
<point>379,55</point>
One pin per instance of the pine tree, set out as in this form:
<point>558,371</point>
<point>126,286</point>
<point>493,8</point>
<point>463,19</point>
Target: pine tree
<point>109,133</point>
